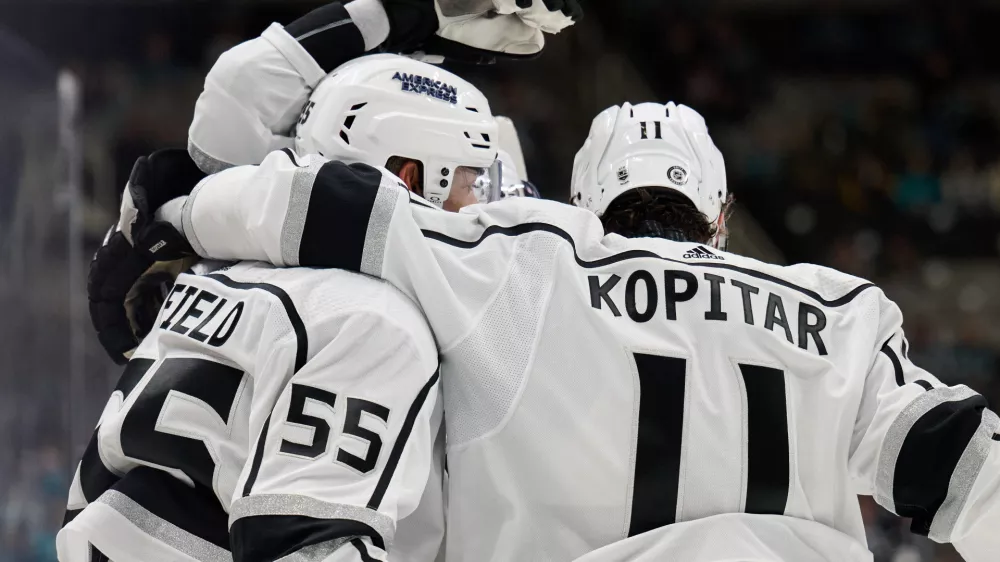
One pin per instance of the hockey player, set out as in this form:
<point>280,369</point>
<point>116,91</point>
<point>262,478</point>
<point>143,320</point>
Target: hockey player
<point>294,407</point>
<point>257,99</point>
<point>619,388</point>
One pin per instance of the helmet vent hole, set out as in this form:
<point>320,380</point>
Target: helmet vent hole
<point>468,136</point>
<point>486,137</point>
<point>472,109</point>
<point>358,106</point>
<point>486,146</point>
<point>349,122</point>
<point>343,135</point>
<point>667,110</point>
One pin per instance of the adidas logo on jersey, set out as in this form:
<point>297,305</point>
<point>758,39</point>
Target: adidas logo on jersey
<point>702,253</point>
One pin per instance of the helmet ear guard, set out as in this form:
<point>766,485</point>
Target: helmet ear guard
<point>651,145</point>
<point>439,173</point>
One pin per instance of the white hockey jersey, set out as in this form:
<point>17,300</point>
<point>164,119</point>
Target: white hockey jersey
<point>624,399</point>
<point>255,92</point>
<point>271,414</point>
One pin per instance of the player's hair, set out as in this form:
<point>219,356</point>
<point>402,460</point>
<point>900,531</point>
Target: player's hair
<point>396,163</point>
<point>659,212</point>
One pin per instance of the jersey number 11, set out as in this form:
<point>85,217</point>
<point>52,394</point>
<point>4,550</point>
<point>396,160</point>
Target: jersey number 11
<point>661,427</point>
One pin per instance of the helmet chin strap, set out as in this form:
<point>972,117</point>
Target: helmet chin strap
<point>653,229</point>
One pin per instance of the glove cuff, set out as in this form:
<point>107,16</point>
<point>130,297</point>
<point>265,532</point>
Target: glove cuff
<point>457,52</point>
<point>329,35</point>
<point>372,21</point>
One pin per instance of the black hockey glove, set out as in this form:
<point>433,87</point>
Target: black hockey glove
<point>126,285</point>
<point>163,176</point>
<point>125,290</point>
<point>115,268</point>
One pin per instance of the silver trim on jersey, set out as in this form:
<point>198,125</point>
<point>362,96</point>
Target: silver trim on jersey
<point>206,163</point>
<point>298,209</point>
<point>291,504</point>
<point>378,226</point>
<point>315,552</point>
<point>162,530</point>
<point>188,225</point>
<point>963,478</point>
<point>326,27</point>
<point>898,431</point>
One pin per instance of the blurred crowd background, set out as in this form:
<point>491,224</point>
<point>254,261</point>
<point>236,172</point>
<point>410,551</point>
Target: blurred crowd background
<point>861,134</point>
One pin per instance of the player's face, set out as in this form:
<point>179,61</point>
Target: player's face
<point>466,189</point>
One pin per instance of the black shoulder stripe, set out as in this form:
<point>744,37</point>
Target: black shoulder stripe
<point>526,228</point>
<point>362,550</point>
<point>264,538</point>
<point>329,35</point>
<point>400,444</point>
<point>302,342</point>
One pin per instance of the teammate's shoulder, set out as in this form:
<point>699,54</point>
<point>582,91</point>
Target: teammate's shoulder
<point>315,293</point>
<point>325,297</point>
<point>341,304</point>
<point>831,284</point>
<point>530,215</point>
<point>826,285</point>
<point>825,277</point>
<point>547,207</point>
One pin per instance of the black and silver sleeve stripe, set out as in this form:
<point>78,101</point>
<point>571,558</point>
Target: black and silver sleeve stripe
<point>329,35</point>
<point>270,526</point>
<point>931,457</point>
<point>206,162</point>
<point>188,519</point>
<point>339,217</point>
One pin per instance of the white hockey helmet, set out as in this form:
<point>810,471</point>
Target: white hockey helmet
<point>514,172</point>
<point>379,106</point>
<point>651,145</point>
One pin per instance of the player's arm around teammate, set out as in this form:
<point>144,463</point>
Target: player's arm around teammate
<point>257,91</point>
<point>925,450</point>
<point>423,250</point>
